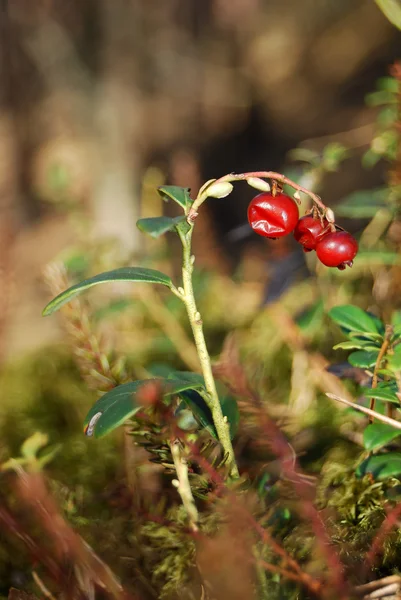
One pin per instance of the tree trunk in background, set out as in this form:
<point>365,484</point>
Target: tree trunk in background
<point>115,199</point>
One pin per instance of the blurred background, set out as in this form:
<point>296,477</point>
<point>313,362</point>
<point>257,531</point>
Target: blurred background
<point>100,99</point>
<point>101,102</point>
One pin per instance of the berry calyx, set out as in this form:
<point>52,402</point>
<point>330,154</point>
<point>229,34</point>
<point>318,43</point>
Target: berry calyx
<point>337,249</point>
<point>309,231</point>
<point>273,216</point>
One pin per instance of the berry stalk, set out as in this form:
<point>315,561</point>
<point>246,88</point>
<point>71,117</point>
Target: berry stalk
<point>327,212</point>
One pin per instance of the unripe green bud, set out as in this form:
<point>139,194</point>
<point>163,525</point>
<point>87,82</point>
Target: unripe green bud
<point>258,184</point>
<point>220,189</point>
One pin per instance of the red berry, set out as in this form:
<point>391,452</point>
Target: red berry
<point>337,249</point>
<point>309,231</point>
<point>273,216</point>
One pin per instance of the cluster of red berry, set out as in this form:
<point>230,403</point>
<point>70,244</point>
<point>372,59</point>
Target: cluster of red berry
<point>274,214</point>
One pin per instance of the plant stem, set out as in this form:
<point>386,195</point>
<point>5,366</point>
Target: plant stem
<point>182,484</point>
<point>380,357</point>
<point>260,174</point>
<point>367,411</point>
<point>195,319</point>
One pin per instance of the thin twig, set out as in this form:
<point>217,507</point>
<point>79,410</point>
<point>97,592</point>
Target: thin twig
<point>45,591</point>
<point>379,584</point>
<point>182,484</point>
<point>367,411</point>
<point>303,578</point>
<point>384,347</point>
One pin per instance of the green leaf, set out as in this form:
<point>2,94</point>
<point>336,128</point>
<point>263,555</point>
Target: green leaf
<point>396,319</point>
<point>394,361</point>
<point>378,257</point>
<point>388,116</point>
<point>357,344</point>
<point>380,97</point>
<point>229,405</point>
<point>333,155</point>
<point>384,391</point>
<point>160,370</point>
<point>392,10</point>
<point>113,409</point>
<point>381,466</point>
<point>157,226</point>
<point>188,376</point>
<point>175,386</point>
<point>378,435</point>
<point>178,194</point>
<point>131,274</point>
<point>202,413</point>
<point>230,409</point>
<point>348,346</point>
<point>389,84</point>
<point>370,159</point>
<point>352,318</point>
<point>367,338</point>
<point>362,359</point>
<point>311,319</point>
<point>118,405</point>
<point>363,204</point>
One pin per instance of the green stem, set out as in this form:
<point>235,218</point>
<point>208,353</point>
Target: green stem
<point>195,319</point>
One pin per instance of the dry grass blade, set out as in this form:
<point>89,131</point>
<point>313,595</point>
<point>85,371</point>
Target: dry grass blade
<point>388,588</point>
<point>366,411</point>
<point>67,545</point>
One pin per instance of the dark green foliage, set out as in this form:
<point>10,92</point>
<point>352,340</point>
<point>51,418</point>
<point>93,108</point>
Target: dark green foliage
<point>157,226</point>
<point>177,194</point>
<point>379,351</point>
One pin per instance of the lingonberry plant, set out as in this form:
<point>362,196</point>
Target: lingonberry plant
<point>192,402</point>
<point>377,350</point>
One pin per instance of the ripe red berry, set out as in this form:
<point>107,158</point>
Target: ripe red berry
<point>337,249</point>
<point>273,216</point>
<point>309,231</point>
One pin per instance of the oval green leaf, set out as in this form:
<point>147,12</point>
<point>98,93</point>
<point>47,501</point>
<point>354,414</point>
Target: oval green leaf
<point>378,435</point>
<point>157,226</point>
<point>348,346</point>
<point>381,466</point>
<point>352,318</point>
<point>189,376</point>
<point>392,10</point>
<point>131,274</point>
<point>362,359</point>
<point>230,409</point>
<point>113,409</point>
<point>394,360</point>
<point>178,194</point>
<point>203,415</point>
<point>384,391</point>
<point>118,405</point>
